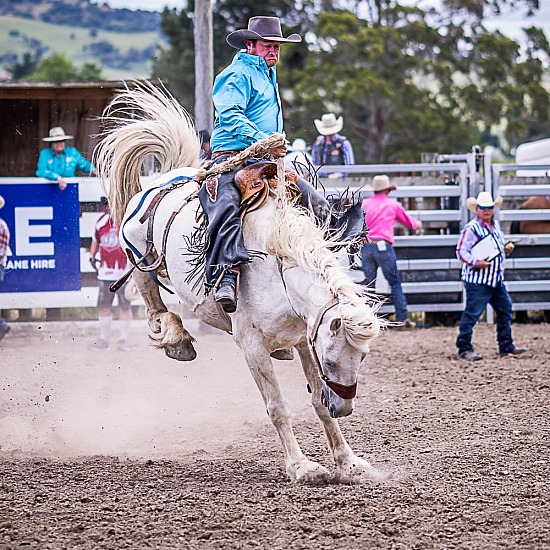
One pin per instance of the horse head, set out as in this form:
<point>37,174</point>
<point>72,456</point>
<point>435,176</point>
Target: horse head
<point>338,357</point>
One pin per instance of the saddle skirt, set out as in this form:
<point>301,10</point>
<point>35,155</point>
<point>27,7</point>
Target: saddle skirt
<point>255,181</point>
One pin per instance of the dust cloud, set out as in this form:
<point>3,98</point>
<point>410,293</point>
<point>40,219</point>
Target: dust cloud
<point>59,399</point>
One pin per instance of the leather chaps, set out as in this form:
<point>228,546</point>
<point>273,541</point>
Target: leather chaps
<point>220,200</point>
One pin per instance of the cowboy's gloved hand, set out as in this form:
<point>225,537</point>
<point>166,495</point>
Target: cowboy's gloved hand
<point>280,151</point>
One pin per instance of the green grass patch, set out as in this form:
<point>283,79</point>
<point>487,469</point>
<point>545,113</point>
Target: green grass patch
<point>72,42</point>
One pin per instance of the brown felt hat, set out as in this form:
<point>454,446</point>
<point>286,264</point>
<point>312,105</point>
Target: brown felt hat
<point>260,28</point>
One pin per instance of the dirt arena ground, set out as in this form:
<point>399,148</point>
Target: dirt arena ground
<point>133,450</point>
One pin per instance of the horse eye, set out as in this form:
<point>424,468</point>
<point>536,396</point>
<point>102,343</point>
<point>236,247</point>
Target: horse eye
<point>329,364</point>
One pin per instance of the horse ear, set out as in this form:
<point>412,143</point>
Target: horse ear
<point>335,324</point>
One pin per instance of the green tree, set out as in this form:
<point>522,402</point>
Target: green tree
<point>175,65</point>
<point>375,75</point>
<point>59,69</point>
<point>406,79</point>
<point>24,68</point>
<point>409,80</point>
<point>495,82</point>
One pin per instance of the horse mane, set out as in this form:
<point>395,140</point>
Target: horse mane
<point>139,121</point>
<point>298,240</point>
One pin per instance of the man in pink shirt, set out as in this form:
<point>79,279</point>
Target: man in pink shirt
<point>381,215</point>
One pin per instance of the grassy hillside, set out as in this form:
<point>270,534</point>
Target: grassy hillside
<point>17,36</point>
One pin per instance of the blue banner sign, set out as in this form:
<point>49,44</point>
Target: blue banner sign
<point>44,247</point>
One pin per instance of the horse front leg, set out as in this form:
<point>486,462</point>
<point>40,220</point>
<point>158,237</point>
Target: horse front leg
<point>349,467</point>
<point>298,466</point>
<point>166,327</point>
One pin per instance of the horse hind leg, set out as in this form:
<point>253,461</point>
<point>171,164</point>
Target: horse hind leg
<point>166,327</point>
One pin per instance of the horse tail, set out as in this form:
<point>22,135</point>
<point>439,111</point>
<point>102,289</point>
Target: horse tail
<point>139,121</point>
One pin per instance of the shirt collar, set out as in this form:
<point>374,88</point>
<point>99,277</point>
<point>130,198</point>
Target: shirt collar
<point>64,152</point>
<point>253,60</point>
<point>483,223</point>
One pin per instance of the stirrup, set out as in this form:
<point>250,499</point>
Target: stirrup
<point>226,295</point>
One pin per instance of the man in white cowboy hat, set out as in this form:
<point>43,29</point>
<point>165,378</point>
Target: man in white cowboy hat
<point>59,161</point>
<point>247,110</point>
<point>4,242</point>
<point>331,148</point>
<point>381,216</point>
<point>482,250</point>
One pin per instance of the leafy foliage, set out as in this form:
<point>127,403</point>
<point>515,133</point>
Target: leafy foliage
<point>59,69</point>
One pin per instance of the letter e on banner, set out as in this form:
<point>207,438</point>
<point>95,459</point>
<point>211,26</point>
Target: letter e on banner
<point>25,231</point>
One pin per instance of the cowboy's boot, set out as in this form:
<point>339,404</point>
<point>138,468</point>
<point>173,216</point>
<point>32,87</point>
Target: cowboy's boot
<point>226,294</point>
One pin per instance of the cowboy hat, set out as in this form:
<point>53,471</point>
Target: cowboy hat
<point>260,28</point>
<point>329,124</point>
<point>381,183</point>
<point>298,144</point>
<point>57,134</point>
<point>2,201</point>
<point>483,199</point>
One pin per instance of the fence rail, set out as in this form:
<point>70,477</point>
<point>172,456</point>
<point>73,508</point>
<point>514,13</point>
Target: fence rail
<point>428,264</point>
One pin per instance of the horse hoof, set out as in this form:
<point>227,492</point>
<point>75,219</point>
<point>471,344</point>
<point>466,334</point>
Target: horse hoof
<point>310,473</point>
<point>359,471</point>
<point>180,353</point>
<point>283,354</point>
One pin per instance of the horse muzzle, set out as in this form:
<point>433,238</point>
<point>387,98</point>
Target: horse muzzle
<point>337,406</point>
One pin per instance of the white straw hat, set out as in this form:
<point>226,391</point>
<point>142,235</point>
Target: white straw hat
<point>329,124</point>
<point>57,134</point>
<point>483,199</point>
<point>298,144</point>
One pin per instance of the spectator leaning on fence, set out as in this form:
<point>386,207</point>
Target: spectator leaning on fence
<point>483,276</point>
<point>4,241</point>
<point>381,215</point>
<point>59,161</point>
<point>331,148</point>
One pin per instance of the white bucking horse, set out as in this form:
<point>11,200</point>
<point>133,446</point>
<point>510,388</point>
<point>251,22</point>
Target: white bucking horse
<point>294,294</point>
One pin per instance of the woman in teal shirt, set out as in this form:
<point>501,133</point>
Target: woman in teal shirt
<point>58,161</point>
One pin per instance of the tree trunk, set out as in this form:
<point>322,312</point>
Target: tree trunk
<point>204,65</point>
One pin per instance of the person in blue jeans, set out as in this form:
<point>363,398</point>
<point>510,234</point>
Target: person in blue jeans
<point>483,277</point>
<point>381,215</point>
<point>374,256</point>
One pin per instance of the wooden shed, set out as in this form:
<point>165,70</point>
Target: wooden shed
<point>29,110</point>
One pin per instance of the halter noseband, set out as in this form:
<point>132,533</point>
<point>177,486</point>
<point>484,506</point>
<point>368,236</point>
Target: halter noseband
<point>341,390</point>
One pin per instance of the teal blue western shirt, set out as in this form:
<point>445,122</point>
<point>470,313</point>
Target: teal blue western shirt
<point>247,103</point>
<point>51,166</point>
